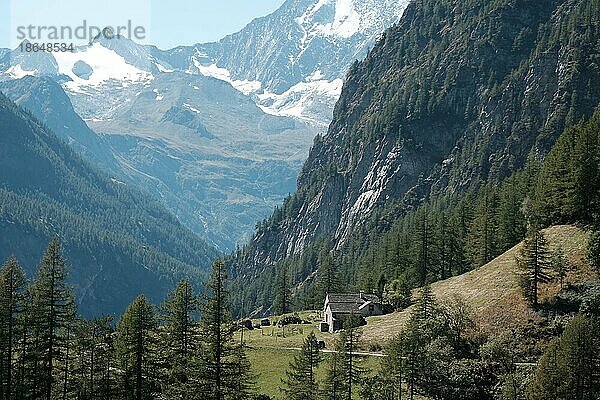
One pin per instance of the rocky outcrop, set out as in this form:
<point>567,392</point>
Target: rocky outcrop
<point>458,93</point>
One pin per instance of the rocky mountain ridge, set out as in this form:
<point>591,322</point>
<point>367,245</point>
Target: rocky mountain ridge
<point>457,94</point>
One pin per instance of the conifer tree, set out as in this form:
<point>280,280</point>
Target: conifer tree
<point>569,368</point>
<point>535,261</point>
<point>327,278</point>
<point>335,385</point>
<point>93,370</point>
<point>220,377</point>
<point>179,338</point>
<point>53,314</point>
<point>283,291</point>
<point>12,281</point>
<point>424,246</point>
<point>483,232</point>
<point>301,383</point>
<point>135,347</point>
<point>344,370</point>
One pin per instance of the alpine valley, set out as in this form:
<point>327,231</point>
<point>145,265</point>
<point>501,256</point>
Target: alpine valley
<point>217,132</point>
<point>399,199</point>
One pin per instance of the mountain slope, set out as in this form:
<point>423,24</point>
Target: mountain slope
<point>456,95</point>
<point>118,242</point>
<point>206,150</point>
<point>47,101</point>
<point>492,291</point>
<point>194,126</point>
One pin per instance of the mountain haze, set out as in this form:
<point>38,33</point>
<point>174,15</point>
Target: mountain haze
<point>217,132</point>
<point>118,241</point>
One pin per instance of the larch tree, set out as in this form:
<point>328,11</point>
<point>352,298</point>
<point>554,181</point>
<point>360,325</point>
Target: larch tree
<point>345,369</point>
<point>327,278</point>
<point>424,246</point>
<point>535,261</point>
<point>283,290</point>
<point>53,315</point>
<point>180,341</point>
<point>569,368</point>
<point>135,350</point>
<point>12,282</point>
<point>300,382</point>
<point>220,377</point>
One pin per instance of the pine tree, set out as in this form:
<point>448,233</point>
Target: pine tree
<point>535,261</point>
<point>283,291</point>
<point>344,370</point>
<point>93,370</point>
<point>301,383</point>
<point>424,246</point>
<point>219,365</point>
<point>336,386</point>
<point>327,278</point>
<point>53,315</point>
<point>12,281</point>
<point>444,247</point>
<point>569,368</point>
<point>243,381</point>
<point>135,347</point>
<point>179,338</point>
<point>511,221</point>
<point>483,232</point>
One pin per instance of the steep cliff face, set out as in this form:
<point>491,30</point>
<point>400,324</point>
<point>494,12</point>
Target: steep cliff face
<point>458,93</point>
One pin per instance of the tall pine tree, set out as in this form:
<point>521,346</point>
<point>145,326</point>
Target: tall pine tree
<point>220,375</point>
<point>136,347</point>
<point>535,261</point>
<point>53,315</point>
<point>301,383</point>
<point>12,281</point>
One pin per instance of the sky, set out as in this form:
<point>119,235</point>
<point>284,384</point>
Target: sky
<point>165,23</point>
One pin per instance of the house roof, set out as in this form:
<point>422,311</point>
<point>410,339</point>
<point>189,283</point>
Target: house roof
<point>348,303</point>
<point>343,308</point>
<point>352,298</point>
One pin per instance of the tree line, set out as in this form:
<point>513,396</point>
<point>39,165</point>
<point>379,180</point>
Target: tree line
<point>183,349</point>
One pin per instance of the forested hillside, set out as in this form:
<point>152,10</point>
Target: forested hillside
<point>118,241</point>
<point>435,145</point>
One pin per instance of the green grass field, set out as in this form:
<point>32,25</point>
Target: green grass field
<point>272,348</point>
<point>269,366</point>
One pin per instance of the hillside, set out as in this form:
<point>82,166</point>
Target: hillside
<point>118,241</point>
<point>492,291</point>
<point>457,96</point>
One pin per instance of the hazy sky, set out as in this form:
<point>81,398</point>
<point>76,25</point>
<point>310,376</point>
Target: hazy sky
<point>167,23</point>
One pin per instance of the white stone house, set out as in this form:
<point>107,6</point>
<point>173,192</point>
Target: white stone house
<point>338,307</point>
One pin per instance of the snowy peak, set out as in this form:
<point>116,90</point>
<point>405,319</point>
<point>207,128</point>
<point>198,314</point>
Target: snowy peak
<point>95,65</point>
<point>102,61</point>
<point>295,59</point>
<point>334,18</point>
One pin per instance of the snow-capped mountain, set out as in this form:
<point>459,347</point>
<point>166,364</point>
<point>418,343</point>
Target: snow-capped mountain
<point>294,60</point>
<point>217,131</point>
<point>204,148</point>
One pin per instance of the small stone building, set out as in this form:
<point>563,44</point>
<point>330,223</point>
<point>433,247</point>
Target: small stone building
<point>338,307</point>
